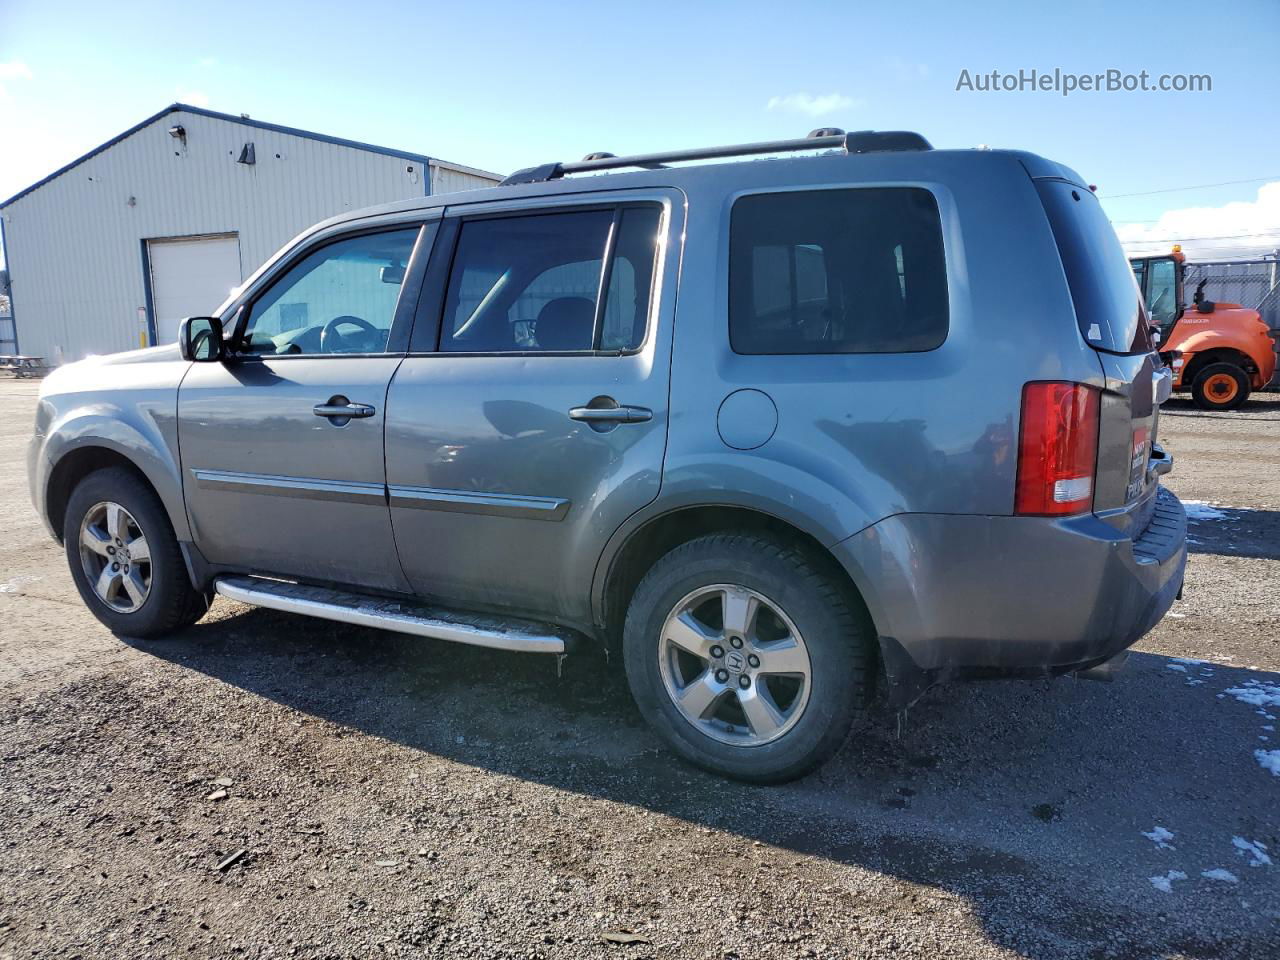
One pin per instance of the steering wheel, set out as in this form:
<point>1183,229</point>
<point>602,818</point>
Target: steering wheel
<point>330,328</point>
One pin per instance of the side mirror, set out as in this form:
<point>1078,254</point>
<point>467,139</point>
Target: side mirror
<point>200,339</point>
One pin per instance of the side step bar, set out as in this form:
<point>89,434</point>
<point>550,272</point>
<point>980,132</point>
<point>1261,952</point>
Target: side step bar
<point>501,633</point>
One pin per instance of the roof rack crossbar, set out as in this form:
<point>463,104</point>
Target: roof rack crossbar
<point>829,138</point>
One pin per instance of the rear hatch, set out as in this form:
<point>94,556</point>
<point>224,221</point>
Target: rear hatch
<point>1113,322</point>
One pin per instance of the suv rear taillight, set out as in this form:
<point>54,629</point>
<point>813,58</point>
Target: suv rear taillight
<point>1057,449</point>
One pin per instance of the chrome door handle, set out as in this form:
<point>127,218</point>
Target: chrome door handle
<point>343,411</point>
<point>611,414</point>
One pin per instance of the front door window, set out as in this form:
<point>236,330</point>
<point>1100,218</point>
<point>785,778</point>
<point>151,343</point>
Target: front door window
<point>339,299</point>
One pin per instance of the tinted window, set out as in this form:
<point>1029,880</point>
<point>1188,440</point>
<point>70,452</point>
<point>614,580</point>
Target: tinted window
<point>532,283</point>
<point>837,271</point>
<point>1103,289</point>
<point>339,299</point>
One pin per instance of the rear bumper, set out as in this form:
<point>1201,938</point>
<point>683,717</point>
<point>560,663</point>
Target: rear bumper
<point>965,596</point>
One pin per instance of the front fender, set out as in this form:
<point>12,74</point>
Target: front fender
<point>144,433</point>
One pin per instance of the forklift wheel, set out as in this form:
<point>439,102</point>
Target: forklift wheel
<point>1220,386</point>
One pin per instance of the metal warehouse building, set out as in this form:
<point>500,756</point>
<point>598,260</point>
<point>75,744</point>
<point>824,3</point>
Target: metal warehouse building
<point>160,223</point>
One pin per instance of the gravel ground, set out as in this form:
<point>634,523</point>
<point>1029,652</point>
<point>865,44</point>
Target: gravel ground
<point>265,785</point>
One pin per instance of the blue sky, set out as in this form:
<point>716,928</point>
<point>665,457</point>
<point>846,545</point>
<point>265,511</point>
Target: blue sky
<point>501,85</point>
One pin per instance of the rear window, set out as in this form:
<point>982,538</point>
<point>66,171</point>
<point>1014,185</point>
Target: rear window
<point>837,271</point>
<point>1103,290</point>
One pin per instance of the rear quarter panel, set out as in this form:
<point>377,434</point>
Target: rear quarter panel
<point>864,437</point>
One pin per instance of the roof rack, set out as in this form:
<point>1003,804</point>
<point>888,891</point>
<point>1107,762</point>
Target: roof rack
<point>824,138</point>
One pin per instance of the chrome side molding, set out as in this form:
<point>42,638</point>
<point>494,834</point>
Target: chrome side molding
<point>500,633</point>
<point>469,501</point>
<point>300,488</point>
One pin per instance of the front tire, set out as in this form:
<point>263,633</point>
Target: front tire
<point>748,657</point>
<point>124,557</point>
<point>1220,386</point>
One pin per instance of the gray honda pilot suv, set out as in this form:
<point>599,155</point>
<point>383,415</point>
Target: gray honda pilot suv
<point>784,432</point>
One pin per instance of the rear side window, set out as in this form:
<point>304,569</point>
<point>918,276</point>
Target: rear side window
<point>1104,292</point>
<point>837,271</point>
<point>533,283</point>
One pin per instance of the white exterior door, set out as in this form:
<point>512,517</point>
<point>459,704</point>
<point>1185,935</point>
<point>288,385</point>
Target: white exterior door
<point>190,278</point>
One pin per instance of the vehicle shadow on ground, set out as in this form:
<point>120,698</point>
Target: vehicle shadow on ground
<point>1029,800</point>
<point>1234,532</point>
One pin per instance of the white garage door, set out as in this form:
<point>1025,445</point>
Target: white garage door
<point>190,278</point>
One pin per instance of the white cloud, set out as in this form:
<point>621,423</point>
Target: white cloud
<point>193,97</point>
<point>814,106</point>
<point>207,62</point>
<point>13,70</point>
<point>1240,229</point>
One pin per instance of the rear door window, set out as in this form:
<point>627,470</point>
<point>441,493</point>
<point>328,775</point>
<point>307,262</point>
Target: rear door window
<point>1104,291</point>
<point>837,271</point>
<point>533,283</point>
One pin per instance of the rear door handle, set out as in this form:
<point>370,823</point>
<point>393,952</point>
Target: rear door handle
<point>340,408</point>
<point>611,414</point>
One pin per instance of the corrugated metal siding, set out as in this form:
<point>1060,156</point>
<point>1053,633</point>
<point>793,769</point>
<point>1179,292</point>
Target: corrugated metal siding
<point>448,179</point>
<point>75,244</point>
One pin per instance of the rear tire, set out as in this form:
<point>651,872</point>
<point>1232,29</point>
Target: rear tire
<point>124,557</point>
<point>786,665</point>
<point>1220,386</point>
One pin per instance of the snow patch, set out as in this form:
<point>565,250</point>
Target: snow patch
<point>1257,693</point>
<point>1255,850</point>
<point>1226,876</point>
<point>1268,760</point>
<point>1165,883</point>
<point>1160,837</point>
<point>1199,510</point>
<point>1175,666</point>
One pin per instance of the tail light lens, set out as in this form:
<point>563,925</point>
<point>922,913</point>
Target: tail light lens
<point>1057,449</point>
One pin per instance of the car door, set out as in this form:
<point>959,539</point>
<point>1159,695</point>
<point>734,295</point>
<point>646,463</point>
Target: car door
<point>282,443</point>
<point>530,418</point>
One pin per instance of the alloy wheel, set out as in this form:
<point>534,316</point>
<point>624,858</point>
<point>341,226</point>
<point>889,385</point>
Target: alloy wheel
<point>734,665</point>
<point>115,556</point>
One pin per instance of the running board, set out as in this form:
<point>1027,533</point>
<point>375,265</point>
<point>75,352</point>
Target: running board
<point>501,633</point>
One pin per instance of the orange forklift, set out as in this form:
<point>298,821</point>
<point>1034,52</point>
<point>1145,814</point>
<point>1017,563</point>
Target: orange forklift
<point>1221,352</point>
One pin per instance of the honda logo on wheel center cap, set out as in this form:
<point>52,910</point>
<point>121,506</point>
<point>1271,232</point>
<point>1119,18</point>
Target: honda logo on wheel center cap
<point>735,661</point>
